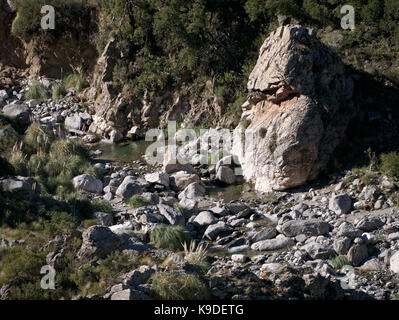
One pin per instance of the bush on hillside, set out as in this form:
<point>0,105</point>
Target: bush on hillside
<point>389,164</point>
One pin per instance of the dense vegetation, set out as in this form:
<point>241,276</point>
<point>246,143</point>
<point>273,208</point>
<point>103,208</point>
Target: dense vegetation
<point>168,45</point>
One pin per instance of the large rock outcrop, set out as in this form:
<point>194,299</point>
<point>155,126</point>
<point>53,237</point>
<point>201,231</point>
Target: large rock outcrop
<point>299,105</point>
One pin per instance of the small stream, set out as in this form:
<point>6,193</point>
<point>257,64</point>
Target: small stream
<point>131,152</point>
<point>124,152</point>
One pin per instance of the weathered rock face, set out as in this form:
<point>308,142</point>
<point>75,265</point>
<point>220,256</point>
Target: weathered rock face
<point>300,103</point>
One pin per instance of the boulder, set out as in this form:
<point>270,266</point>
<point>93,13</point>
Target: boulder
<point>115,136</point>
<point>73,122</point>
<point>98,242</point>
<point>205,218</point>
<point>87,183</point>
<point>348,230</point>
<point>237,207</point>
<point>138,276</point>
<point>189,206</point>
<point>130,187</point>
<point>239,258</point>
<point>151,198</point>
<point>14,184</point>
<point>174,216</point>
<point>357,254</point>
<point>129,294</point>
<point>18,112</point>
<point>369,224</point>
<point>394,262</point>
<point>218,229</point>
<point>318,251</point>
<point>311,227</point>
<point>342,245</point>
<point>265,234</point>
<point>294,120</point>
<point>161,178</point>
<point>180,180</point>
<point>105,219</point>
<point>194,190</point>
<point>172,165</point>
<point>225,175</point>
<point>278,243</point>
<point>340,204</point>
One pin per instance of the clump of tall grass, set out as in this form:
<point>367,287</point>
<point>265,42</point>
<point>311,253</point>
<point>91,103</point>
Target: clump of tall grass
<point>58,91</point>
<point>169,237</point>
<point>19,161</point>
<point>100,205</point>
<point>339,261</point>
<point>137,201</point>
<point>75,81</point>
<point>68,147</point>
<point>38,138</point>
<point>37,91</point>
<point>196,254</point>
<point>175,286</point>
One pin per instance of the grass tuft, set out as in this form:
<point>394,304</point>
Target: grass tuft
<point>169,237</point>
<point>37,91</point>
<point>339,261</point>
<point>137,201</point>
<point>196,254</point>
<point>174,286</point>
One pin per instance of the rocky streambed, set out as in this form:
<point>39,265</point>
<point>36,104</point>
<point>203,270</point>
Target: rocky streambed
<point>334,240</point>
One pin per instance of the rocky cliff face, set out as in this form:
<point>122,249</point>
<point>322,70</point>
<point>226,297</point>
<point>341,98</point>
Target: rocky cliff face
<point>47,55</point>
<point>299,105</point>
<point>10,47</point>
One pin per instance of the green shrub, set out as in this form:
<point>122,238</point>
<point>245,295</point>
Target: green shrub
<point>75,81</point>
<point>38,138</point>
<point>89,223</point>
<point>173,286</point>
<point>169,237</point>
<point>273,142</point>
<point>20,163</point>
<point>389,164</point>
<point>68,147</point>
<point>137,201</point>
<point>8,139</point>
<point>27,22</point>
<point>339,261</point>
<point>58,91</point>
<point>116,263</point>
<point>20,265</point>
<point>71,166</point>
<point>262,132</point>
<point>100,205</point>
<point>60,222</point>
<point>37,91</point>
